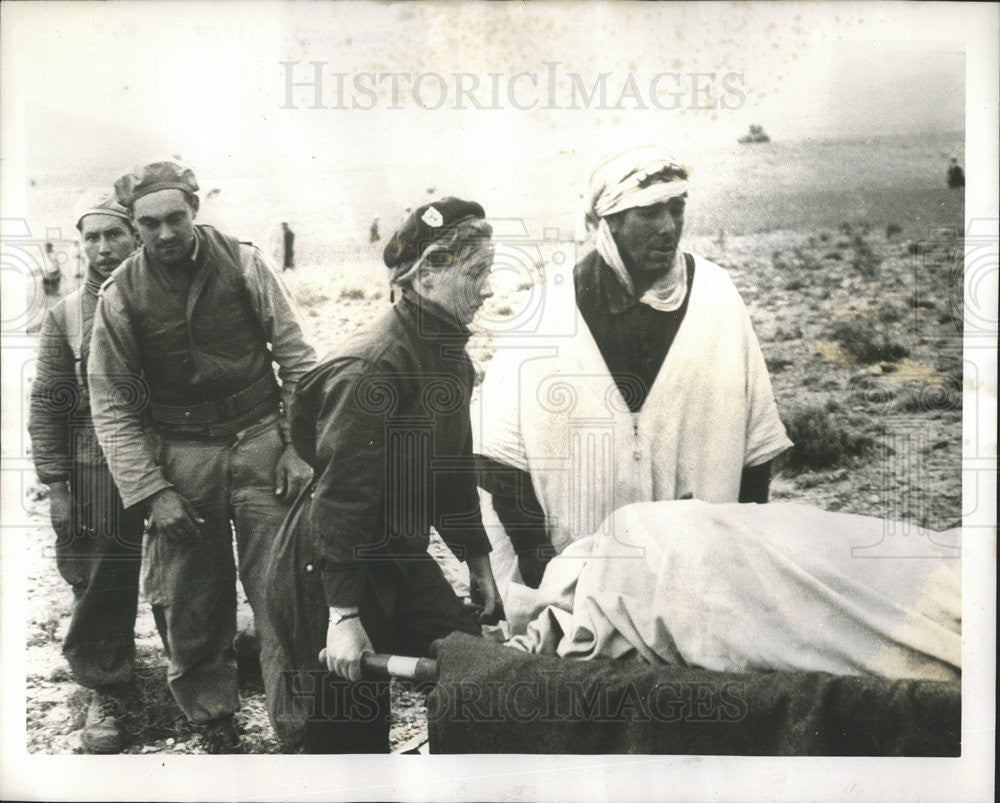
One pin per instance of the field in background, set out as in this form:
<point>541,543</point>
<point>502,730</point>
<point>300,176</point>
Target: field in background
<point>742,189</point>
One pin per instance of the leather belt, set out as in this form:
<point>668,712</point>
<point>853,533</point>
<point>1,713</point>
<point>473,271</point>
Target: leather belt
<point>264,390</point>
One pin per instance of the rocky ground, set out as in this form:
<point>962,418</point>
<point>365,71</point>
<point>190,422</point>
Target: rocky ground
<point>862,335</point>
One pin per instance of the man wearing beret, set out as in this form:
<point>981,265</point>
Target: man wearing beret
<point>666,377</point>
<point>98,542</point>
<point>189,414</point>
<point>384,423</point>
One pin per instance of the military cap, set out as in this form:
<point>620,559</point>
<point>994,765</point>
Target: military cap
<point>99,201</point>
<point>154,177</point>
<point>424,225</point>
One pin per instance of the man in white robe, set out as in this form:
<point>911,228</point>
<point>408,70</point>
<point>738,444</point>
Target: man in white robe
<point>657,391</point>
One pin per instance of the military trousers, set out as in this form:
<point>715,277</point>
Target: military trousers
<point>192,584</point>
<point>99,556</point>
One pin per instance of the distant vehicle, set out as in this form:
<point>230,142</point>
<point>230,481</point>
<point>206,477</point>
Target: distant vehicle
<point>756,134</point>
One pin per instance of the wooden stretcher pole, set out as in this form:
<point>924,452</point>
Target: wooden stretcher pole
<point>378,666</point>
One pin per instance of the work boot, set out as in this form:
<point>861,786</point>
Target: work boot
<point>101,731</point>
<point>221,736</point>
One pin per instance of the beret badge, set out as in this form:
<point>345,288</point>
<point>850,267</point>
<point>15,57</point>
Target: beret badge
<point>432,217</point>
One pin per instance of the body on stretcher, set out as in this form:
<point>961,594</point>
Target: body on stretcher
<point>731,630</point>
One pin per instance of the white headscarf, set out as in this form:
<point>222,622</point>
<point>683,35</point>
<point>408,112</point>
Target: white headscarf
<point>639,177</point>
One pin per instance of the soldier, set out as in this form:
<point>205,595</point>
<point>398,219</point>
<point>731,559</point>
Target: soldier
<point>189,414</point>
<point>385,424</point>
<point>52,274</point>
<point>956,176</point>
<point>98,543</point>
<point>287,247</point>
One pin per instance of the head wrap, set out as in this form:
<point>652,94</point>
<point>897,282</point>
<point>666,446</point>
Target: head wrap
<point>423,226</point>
<point>99,201</point>
<point>145,179</point>
<point>639,177</point>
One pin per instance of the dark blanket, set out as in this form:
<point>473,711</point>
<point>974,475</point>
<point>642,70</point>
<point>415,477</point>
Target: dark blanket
<point>495,699</point>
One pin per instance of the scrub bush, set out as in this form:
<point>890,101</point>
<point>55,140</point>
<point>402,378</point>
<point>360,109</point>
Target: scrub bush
<point>864,260</point>
<point>822,440</point>
<point>860,340</point>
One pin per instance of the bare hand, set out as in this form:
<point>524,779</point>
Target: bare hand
<point>483,590</point>
<point>60,509</point>
<point>345,644</point>
<point>291,476</point>
<point>173,517</point>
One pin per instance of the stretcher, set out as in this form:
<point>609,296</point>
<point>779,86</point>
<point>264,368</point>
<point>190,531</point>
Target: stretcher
<point>488,698</point>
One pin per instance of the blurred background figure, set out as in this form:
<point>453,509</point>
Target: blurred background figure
<point>288,247</point>
<point>52,277</point>
<point>373,235</point>
<point>956,176</point>
<point>79,261</point>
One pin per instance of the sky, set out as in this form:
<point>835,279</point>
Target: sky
<point>207,80</point>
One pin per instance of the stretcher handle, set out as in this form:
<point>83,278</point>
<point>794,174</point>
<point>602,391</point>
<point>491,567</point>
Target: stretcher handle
<point>379,666</point>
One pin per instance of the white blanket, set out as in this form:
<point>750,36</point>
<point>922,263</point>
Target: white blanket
<point>749,588</point>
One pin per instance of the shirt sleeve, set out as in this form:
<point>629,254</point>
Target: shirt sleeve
<point>513,498</point>
<point>765,434</point>
<point>283,325</point>
<point>118,396</point>
<point>347,506</point>
<point>459,519</point>
<point>55,394</point>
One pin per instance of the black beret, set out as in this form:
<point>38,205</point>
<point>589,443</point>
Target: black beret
<point>424,225</point>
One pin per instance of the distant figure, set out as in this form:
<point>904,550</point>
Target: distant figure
<point>373,235</point>
<point>79,260</point>
<point>52,275</point>
<point>956,176</point>
<point>288,247</point>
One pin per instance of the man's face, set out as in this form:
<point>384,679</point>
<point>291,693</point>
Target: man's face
<point>166,225</point>
<point>648,236</point>
<point>461,288</point>
<point>107,240</point>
